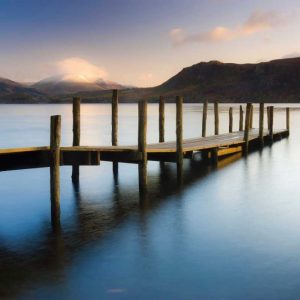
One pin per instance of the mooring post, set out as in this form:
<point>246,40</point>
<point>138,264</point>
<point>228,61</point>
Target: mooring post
<point>204,118</point>
<point>288,119</point>
<point>247,127</point>
<point>268,117</point>
<point>251,117</point>
<point>114,118</point>
<point>241,118</point>
<point>161,119</point>
<point>142,143</point>
<point>114,128</point>
<point>55,137</point>
<point>76,135</point>
<point>261,123</point>
<point>216,110</point>
<point>271,123</point>
<point>179,141</point>
<point>230,119</point>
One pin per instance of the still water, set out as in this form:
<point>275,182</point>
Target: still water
<point>231,231</point>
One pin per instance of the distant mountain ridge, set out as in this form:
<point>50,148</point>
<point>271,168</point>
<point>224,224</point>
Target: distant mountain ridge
<point>14,92</point>
<point>273,81</point>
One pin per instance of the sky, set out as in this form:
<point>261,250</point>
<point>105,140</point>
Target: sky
<point>140,42</point>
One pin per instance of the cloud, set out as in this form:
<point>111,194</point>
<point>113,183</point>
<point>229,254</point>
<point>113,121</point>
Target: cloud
<point>76,66</point>
<point>258,21</point>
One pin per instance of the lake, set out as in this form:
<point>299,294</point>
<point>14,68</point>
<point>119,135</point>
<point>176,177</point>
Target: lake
<point>230,231</point>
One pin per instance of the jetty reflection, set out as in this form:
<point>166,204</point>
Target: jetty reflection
<point>54,245</point>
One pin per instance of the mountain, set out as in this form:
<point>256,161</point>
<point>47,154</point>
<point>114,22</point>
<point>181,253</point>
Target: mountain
<point>13,92</point>
<point>69,84</point>
<point>273,81</point>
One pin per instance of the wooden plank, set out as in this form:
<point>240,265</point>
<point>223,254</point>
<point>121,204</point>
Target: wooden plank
<point>22,150</point>
<point>229,150</point>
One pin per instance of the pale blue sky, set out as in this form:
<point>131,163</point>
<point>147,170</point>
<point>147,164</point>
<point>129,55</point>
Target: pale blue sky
<point>141,42</point>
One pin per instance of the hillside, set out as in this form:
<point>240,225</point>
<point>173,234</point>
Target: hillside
<point>274,81</point>
<point>13,92</point>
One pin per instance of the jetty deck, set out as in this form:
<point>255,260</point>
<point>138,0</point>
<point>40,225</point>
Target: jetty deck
<point>211,147</point>
<point>226,144</point>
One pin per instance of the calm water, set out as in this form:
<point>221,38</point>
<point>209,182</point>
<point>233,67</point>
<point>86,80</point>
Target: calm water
<point>228,232</point>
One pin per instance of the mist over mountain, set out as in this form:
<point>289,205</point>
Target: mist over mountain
<point>70,84</point>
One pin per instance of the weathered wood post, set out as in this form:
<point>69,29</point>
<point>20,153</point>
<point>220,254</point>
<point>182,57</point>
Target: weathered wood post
<point>55,137</point>
<point>288,119</point>
<point>142,144</point>
<point>161,119</point>
<point>241,118</point>
<point>247,127</point>
<point>76,135</point>
<point>216,111</point>
<point>179,139</point>
<point>114,127</point>
<point>261,123</point>
<point>251,117</point>
<point>230,119</point>
<point>114,118</point>
<point>204,118</point>
<point>271,123</point>
<point>268,117</point>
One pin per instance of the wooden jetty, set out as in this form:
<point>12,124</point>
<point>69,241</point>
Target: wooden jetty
<point>211,147</point>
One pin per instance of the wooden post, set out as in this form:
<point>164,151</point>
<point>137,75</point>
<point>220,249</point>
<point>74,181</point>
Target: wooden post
<point>114,127</point>
<point>271,123</point>
<point>288,119</point>
<point>114,118</point>
<point>251,117</point>
<point>142,143</point>
<point>161,119</point>
<point>216,110</point>
<point>268,117</point>
<point>230,120</point>
<point>76,121</point>
<point>76,135</point>
<point>261,123</point>
<point>55,138</point>
<point>247,127</point>
<point>241,118</point>
<point>179,140</point>
<point>204,118</point>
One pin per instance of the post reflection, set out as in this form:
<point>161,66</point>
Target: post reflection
<point>55,244</point>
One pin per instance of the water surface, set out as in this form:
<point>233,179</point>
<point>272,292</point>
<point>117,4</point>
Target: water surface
<point>229,231</point>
